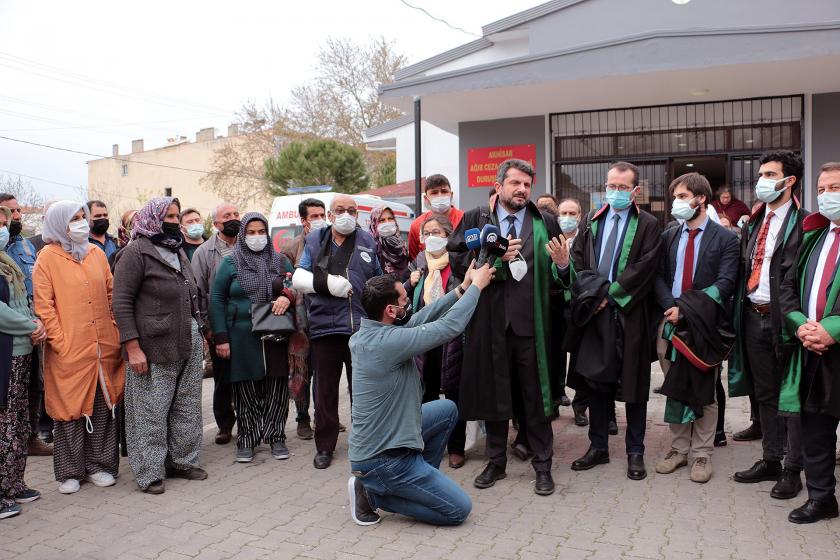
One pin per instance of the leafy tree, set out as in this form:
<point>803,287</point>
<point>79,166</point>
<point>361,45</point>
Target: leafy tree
<point>319,162</point>
<point>386,172</point>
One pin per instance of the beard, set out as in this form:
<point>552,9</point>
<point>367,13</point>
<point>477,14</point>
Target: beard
<point>515,204</point>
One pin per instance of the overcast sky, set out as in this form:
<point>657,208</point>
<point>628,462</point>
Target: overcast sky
<point>78,74</point>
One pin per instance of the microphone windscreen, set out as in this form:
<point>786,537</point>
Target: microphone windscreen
<point>472,238</point>
<point>490,234</point>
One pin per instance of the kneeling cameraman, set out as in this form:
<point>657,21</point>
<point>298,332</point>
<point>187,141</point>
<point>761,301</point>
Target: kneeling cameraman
<point>396,444</point>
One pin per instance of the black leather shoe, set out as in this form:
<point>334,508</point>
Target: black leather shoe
<point>813,511</point>
<point>750,434</point>
<point>521,452</point>
<point>544,485</point>
<point>788,486</point>
<point>489,476</point>
<point>581,419</point>
<point>613,428</point>
<point>720,439</point>
<point>565,401</point>
<point>322,460</point>
<point>636,467</point>
<point>592,458</point>
<point>759,472</point>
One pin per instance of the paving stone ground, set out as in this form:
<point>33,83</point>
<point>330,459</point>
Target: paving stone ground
<point>287,509</point>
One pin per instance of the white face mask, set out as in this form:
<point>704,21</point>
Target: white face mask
<point>435,244</point>
<point>387,229</point>
<point>78,231</point>
<point>829,205</point>
<point>682,209</point>
<point>440,204</point>
<point>518,268</point>
<point>256,242</point>
<point>194,231</point>
<point>765,189</point>
<point>317,224</point>
<point>345,224</point>
<point>567,224</point>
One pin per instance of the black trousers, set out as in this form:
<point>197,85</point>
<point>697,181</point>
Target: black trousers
<point>431,392</point>
<point>581,402</point>
<point>602,410</point>
<point>525,390</point>
<point>819,442</point>
<point>39,420</point>
<point>720,396</point>
<point>222,394</point>
<point>305,399</point>
<point>329,355</point>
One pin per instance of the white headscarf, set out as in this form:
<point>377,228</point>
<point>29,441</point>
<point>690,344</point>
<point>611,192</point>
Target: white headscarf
<point>56,222</point>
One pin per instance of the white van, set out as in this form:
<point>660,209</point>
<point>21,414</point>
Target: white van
<point>284,221</point>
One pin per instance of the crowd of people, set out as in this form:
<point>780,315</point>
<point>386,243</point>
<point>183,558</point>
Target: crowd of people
<point>104,341</point>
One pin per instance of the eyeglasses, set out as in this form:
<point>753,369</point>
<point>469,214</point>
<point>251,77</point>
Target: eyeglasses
<point>618,187</point>
<point>435,233</point>
<point>339,211</point>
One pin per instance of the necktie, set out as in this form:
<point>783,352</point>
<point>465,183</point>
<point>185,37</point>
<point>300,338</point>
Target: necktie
<point>511,230</point>
<point>605,266</point>
<point>827,274</point>
<point>758,257</point>
<point>688,261</point>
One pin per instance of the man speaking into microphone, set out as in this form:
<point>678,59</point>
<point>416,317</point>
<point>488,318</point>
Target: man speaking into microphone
<point>509,339</point>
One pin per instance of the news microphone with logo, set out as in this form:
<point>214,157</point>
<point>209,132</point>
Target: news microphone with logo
<point>472,238</point>
<point>490,235</point>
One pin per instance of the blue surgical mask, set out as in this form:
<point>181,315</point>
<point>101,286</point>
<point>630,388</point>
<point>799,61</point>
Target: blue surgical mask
<point>682,209</point>
<point>567,224</point>
<point>765,189</point>
<point>4,238</point>
<point>619,200</point>
<point>194,231</point>
<point>829,205</point>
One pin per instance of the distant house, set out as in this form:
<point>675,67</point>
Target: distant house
<point>402,192</point>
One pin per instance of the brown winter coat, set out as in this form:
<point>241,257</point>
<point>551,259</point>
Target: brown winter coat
<point>73,299</point>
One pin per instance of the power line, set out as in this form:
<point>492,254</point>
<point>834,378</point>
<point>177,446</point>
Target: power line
<point>455,27</point>
<point>40,179</point>
<point>117,158</point>
<point>80,80</point>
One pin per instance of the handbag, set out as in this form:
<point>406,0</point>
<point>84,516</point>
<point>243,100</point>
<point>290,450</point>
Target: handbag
<point>265,322</point>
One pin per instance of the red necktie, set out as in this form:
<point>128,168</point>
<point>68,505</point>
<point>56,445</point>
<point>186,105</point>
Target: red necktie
<point>758,258</point>
<point>827,274</point>
<point>688,263</point>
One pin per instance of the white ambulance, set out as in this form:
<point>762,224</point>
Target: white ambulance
<point>284,221</point>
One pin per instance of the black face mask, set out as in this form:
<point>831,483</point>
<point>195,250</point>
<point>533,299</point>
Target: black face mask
<point>407,312</point>
<point>15,227</point>
<point>231,227</point>
<point>171,228</point>
<point>100,226</point>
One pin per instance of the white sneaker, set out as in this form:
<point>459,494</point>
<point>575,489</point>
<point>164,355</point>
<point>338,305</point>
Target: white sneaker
<point>69,486</point>
<point>101,479</point>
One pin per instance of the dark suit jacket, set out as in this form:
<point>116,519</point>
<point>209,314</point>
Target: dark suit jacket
<point>717,263</point>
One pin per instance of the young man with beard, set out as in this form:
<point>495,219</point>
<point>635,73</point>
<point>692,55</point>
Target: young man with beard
<point>616,254</point>
<point>508,339</point>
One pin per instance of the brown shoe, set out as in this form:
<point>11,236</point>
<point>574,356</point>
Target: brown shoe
<point>223,437</point>
<point>155,487</point>
<point>701,470</point>
<point>38,448</point>
<point>672,461</point>
<point>456,460</point>
<point>304,430</point>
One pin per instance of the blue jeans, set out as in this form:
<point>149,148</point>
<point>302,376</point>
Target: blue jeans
<point>410,483</point>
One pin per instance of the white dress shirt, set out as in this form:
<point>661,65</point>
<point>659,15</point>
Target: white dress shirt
<point>761,295</point>
<point>821,264</point>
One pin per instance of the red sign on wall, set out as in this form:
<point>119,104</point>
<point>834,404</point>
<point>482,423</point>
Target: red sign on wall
<point>482,163</point>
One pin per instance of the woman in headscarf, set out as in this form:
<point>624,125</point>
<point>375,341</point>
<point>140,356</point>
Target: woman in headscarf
<point>19,329</point>
<point>157,314</point>
<point>124,229</point>
<point>254,273</point>
<point>84,374</point>
<point>440,367</point>
<point>390,246</point>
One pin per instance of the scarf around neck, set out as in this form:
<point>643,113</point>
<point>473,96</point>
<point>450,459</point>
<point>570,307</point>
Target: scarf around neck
<point>256,270</point>
<point>433,287</point>
<point>393,254</point>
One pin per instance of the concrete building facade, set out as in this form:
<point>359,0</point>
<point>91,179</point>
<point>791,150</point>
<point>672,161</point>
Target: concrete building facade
<point>673,87</point>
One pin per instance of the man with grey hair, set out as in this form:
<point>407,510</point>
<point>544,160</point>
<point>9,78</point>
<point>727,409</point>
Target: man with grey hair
<point>509,337</point>
<point>205,262</point>
<point>335,264</point>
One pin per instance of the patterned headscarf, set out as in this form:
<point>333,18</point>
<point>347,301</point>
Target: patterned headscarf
<point>123,232</point>
<point>148,222</point>
<point>57,220</point>
<point>393,254</point>
<point>256,271</point>
<point>8,269</point>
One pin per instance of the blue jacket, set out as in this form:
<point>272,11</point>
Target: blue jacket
<point>330,315</point>
<point>22,251</point>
